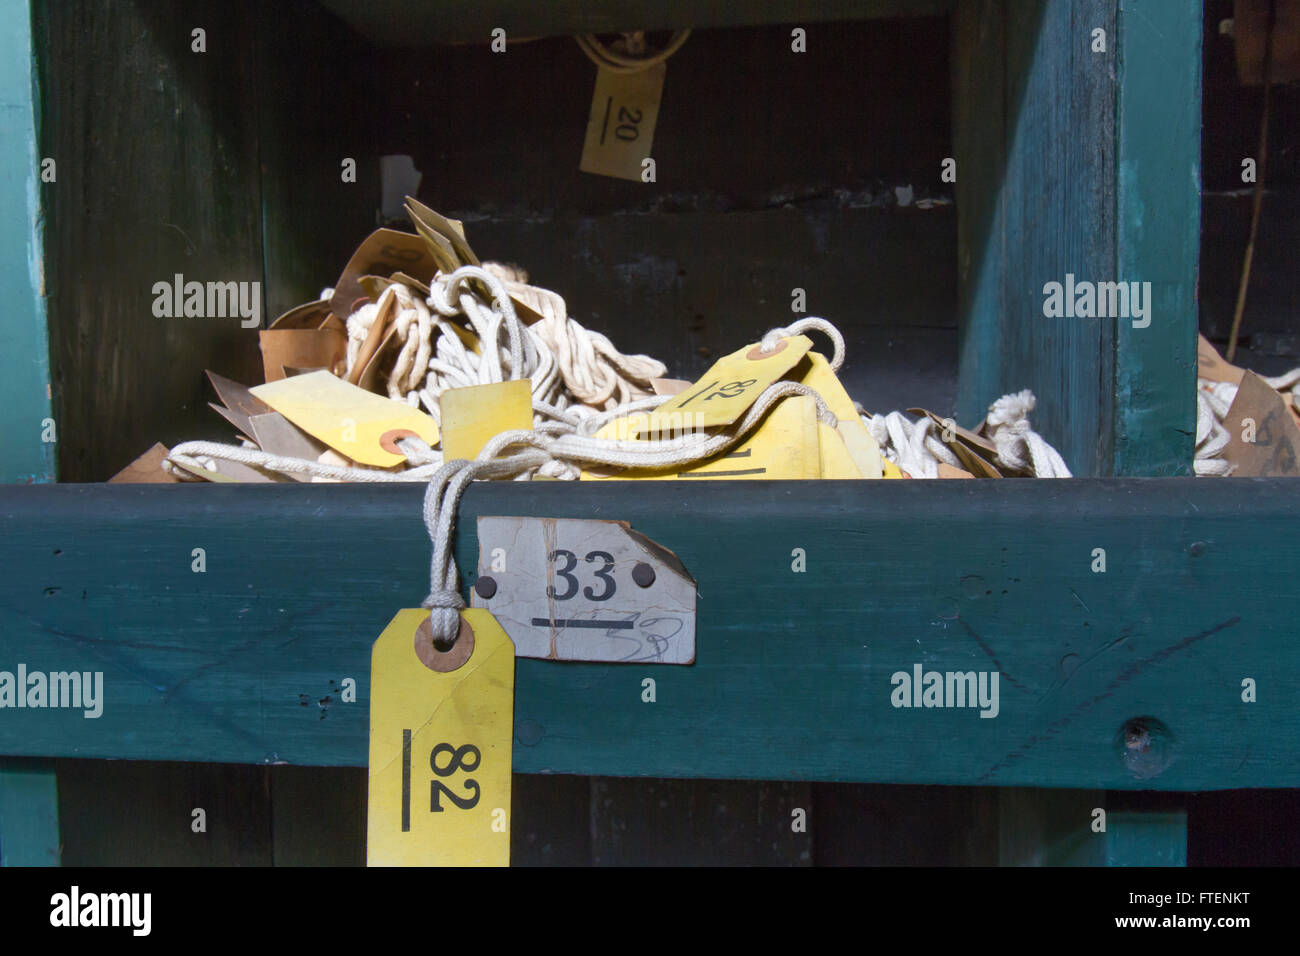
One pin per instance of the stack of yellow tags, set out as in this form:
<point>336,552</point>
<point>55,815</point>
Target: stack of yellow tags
<point>790,441</point>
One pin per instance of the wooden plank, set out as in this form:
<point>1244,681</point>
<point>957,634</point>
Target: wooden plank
<point>1038,827</point>
<point>411,23</point>
<point>639,822</point>
<point>25,385</point>
<point>318,816</point>
<point>1158,159</point>
<point>158,176</point>
<point>551,823</point>
<point>857,824</point>
<point>1032,209</point>
<point>29,813</point>
<point>214,666</point>
<point>142,813</point>
<point>1147,838</point>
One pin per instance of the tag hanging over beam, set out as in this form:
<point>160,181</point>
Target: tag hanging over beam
<point>441,724</point>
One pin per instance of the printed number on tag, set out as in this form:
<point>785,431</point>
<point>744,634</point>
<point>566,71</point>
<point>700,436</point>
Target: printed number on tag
<point>582,590</point>
<point>621,127</point>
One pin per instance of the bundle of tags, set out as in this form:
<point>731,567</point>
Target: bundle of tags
<point>421,354</point>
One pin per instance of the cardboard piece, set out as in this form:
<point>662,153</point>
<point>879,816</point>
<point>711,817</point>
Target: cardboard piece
<point>384,252</point>
<point>450,231</point>
<point>380,334</point>
<point>239,400</point>
<point>1275,450</point>
<point>557,605</point>
<point>146,470</point>
<point>307,336</point>
<point>1213,366</point>
<point>974,451</point>
<point>948,471</point>
<point>276,435</point>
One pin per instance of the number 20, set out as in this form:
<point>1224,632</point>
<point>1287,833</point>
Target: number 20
<point>627,130</point>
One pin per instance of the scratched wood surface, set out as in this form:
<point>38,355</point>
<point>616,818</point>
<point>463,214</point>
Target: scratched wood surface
<point>214,666</point>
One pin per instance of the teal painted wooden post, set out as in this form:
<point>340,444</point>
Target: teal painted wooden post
<point>24,344</point>
<point>1157,240</point>
<point>1073,160</point>
<point>29,831</point>
<point>1146,838</point>
<point>29,813</point>
<point>1158,202</point>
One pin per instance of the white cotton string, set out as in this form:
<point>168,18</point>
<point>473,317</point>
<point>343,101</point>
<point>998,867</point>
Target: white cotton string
<point>193,454</point>
<point>1018,445</point>
<point>915,448</point>
<point>809,323</point>
<point>594,371</point>
<point>441,500</point>
<point>911,445</point>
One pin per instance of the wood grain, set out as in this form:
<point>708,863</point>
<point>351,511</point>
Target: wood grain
<point>217,666</point>
<point>158,175</point>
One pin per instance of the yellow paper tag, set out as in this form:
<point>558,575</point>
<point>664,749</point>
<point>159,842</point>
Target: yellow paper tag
<point>440,749</point>
<point>357,423</point>
<point>836,462</point>
<point>891,470</point>
<point>621,127</point>
<point>784,445</point>
<point>471,416</point>
<point>816,372</point>
<point>725,392</point>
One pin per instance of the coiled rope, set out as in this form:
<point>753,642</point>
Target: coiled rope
<point>1213,400</point>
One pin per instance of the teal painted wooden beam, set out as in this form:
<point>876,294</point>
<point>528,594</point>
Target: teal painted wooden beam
<point>1158,218</point>
<point>24,343</point>
<point>29,813</point>
<point>793,675</point>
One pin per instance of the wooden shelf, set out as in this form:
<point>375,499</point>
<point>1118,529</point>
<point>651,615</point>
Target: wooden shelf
<point>793,675</point>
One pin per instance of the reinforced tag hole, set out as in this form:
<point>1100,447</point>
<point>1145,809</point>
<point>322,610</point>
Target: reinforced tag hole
<point>757,354</point>
<point>440,656</point>
<point>388,440</point>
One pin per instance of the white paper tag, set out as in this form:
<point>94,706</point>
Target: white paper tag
<point>583,590</point>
